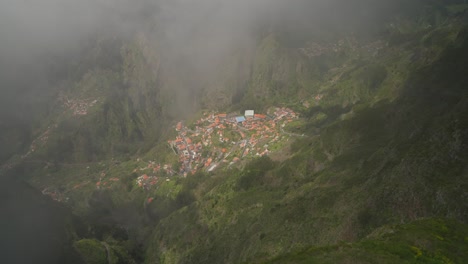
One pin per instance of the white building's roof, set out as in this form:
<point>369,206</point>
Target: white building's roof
<point>249,112</point>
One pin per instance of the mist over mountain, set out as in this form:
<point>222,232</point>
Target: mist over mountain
<point>196,33</point>
<point>218,131</point>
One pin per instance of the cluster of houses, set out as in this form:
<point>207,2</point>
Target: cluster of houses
<point>105,184</point>
<point>154,172</point>
<point>78,106</point>
<point>213,141</point>
<point>145,181</point>
<point>54,194</point>
<point>154,167</point>
<point>220,138</point>
<point>101,184</point>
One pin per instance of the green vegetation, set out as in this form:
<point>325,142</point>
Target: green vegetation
<point>422,241</point>
<point>91,250</point>
<point>373,171</point>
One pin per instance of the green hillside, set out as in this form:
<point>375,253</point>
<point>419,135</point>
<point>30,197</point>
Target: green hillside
<point>358,154</point>
<point>422,241</point>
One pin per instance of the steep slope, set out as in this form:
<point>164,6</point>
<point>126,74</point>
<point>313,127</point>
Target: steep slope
<point>397,160</point>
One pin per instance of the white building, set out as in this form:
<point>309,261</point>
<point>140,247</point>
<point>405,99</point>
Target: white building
<point>249,113</point>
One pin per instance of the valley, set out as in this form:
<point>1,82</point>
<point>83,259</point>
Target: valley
<point>281,136</point>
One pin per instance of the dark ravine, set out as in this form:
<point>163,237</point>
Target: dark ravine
<point>34,228</point>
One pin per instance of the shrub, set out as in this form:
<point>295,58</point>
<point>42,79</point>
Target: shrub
<point>92,251</point>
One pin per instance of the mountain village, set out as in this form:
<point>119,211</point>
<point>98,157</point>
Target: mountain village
<point>220,140</point>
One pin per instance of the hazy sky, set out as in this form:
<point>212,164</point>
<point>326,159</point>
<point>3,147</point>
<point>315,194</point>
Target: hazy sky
<point>37,25</point>
<point>197,30</point>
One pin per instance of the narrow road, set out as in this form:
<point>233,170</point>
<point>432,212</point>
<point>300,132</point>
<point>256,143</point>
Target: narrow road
<point>11,164</point>
<point>107,251</point>
<point>293,134</point>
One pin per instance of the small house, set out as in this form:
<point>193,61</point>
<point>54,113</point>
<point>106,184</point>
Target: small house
<point>240,119</point>
<point>222,116</point>
<point>260,116</point>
